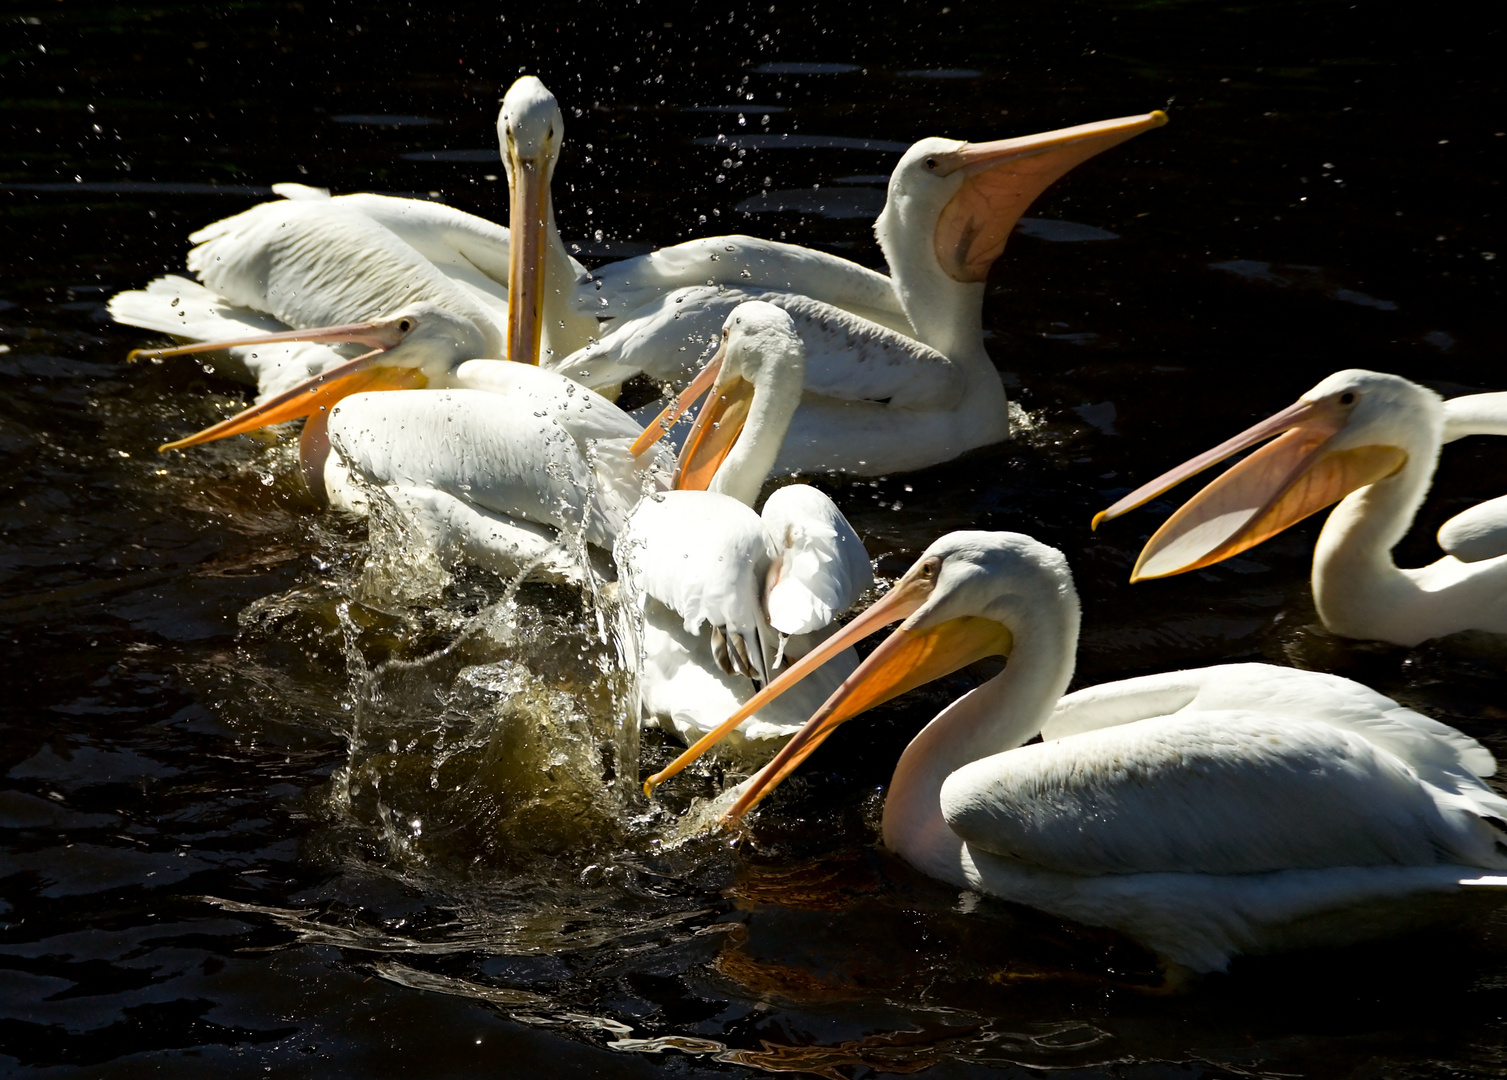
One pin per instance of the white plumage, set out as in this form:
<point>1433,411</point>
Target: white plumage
<point>1209,813</point>
<point>1370,442</point>
<point>722,596</point>
<point>848,357</point>
<point>715,596</point>
<point>619,289</point>
<point>310,261</point>
<point>513,449</point>
<point>897,374</point>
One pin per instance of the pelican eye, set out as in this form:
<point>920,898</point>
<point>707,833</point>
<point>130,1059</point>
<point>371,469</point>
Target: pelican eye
<point>405,325</point>
<point>931,163</point>
<point>1347,398</point>
<point>929,569</point>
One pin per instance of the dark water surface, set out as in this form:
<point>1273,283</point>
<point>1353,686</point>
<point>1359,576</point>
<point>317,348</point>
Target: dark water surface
<point>271,805</point>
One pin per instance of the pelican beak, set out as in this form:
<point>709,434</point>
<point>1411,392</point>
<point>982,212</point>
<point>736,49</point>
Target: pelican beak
<point>1293,476</point>
<point>657,428</point>
<point>717,428</point>
<point>907,659</point>
<point>528,212</point>
<point>314,395</point>
<point>1002,178</point>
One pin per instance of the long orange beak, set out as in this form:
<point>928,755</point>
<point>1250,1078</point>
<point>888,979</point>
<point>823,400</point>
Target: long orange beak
<point>907,659</point>
<point>313,395</point>
<point>716,431</point>
<point>1293,476</point>
<point>661,424</point>
<point>1003,178</point>
<point>378,334</point>
<point>528,210</point>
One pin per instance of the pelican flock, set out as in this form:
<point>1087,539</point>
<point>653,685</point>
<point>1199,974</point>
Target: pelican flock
<point>312,260</point>
<point>465,374</point>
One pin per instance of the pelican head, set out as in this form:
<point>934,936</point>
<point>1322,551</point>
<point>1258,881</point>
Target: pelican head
<point>968,597</point>
<point>1353,430</point>
<point>530,128</point>
<point>951,205</point>
<point>753,387</point>
<point>421,344</point>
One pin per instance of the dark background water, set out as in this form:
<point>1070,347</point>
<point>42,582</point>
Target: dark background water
<point>263,811</point>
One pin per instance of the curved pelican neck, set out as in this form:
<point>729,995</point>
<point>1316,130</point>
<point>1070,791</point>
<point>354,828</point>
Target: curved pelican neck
<point>947,314</point>
<point>1353,566</point>
<point>777,394</point>
<point>993,718</point>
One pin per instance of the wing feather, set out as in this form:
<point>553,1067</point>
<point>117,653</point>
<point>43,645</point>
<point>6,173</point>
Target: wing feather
<point>1477,534</point>
<point>457,530</point>
<point>701,555</point>
<point>1221,792</point>
<point>187,310</point>
<point>619,288</point>
<point>848,357</point>
<point>1421,741</point>
<point>818,566</point>
<point>497,454</point>
<point>309,262</point>
<point>853,359</point>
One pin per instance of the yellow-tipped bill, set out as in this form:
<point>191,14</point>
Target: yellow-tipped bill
<point>322,391</point>
<point>715,433</point>
<point>661,424</point>
<point>908,658</point>
<point>1297,474</point>
<point>1002,179</point>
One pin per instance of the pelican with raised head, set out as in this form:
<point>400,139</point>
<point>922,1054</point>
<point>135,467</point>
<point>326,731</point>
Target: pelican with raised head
<point>1234,809</point>
<point>897,376</point>
<point>1369,442</point>
<point>715,596</point>
<point>312,261</point>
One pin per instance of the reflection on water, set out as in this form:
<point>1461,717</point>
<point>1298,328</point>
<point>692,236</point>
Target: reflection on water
<point>280,795</point>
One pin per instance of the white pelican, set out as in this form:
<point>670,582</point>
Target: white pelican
<point>1369,442</point>
<point>714,597</point>
<point>506,464</point>
<point>1234,809</point>
<point>311,261</point>
<point>897,376</point>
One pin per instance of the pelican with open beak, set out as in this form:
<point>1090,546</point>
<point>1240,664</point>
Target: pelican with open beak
<point>716,596</point>
<point>897,375</point>
<point>1369,442</point>
<point>752,389</point>
<point>1232,809</point>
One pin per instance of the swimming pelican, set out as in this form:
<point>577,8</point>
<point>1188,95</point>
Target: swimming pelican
<point>1371,443</point>
<point>897,376</point>
<point>506,464</point>
<point>312,261</point>
<point>1235,809</point>
<point>714,596</point>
